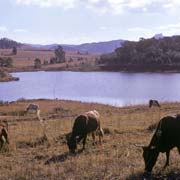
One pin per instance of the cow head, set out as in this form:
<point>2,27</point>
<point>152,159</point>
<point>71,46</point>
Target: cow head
<point>72,144</point>
<point>150,154</point>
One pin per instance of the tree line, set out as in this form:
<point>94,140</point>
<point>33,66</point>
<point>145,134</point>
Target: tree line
<point>58,58</point>
<point>156,52</point>
<point>6,43</point>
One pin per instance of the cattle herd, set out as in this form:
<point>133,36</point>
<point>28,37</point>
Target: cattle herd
<point>166,136</point>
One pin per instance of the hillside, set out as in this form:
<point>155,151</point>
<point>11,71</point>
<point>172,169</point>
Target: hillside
<point>155,54</point>
<point>6,43</point>
<point>96,47</point>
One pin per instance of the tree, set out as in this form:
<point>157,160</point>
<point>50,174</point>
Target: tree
<point>37,63</point>
<point>60,54</point>
<point>14,50</point>
<point>6,62</point>
<point>45,62</point>
<point>53,60</point>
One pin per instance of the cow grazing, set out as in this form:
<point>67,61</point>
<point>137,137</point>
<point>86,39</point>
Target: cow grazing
<point>3,133</point>
<point>166,137</point>
<point>83,125</point>
<point>34,107</point>
<point>154,103</point>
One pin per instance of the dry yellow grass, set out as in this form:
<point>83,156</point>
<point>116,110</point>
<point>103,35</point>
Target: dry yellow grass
<point>24,60</point>
<point>30,157</point>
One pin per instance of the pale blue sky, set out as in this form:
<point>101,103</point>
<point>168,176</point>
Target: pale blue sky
<point>80,21</point>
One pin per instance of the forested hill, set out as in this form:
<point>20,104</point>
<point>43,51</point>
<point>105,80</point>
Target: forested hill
<point>146,54</point>
<point>6,43</point>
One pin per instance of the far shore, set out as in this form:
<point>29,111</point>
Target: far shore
<point>93,69</point>
<point>23,61</point>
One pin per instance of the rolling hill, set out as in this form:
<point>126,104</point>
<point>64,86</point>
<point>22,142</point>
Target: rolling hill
<point>95,47</point>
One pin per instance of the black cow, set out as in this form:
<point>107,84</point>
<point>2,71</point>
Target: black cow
<point>153,103</point>
<point>83,125</point>
<point>166,137</point>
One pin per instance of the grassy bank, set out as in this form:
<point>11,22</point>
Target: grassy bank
<point>32,156</point>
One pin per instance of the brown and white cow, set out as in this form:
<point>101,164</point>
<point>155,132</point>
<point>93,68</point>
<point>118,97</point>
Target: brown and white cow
<point>84,124</point>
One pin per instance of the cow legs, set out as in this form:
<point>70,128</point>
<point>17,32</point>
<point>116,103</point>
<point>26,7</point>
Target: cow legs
<point>100,134</point>
<point>93,137</point>
<point>1,143</point>
<point>100,139</point>
<point>5,134</point>
<point>84,141</point>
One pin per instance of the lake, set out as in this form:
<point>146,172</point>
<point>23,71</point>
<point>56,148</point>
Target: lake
<point>114,88</point>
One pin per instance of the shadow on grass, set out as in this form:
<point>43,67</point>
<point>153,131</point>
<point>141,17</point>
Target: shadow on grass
<point>62,157</point>
<point>26,144</point>
<point>140,176</point>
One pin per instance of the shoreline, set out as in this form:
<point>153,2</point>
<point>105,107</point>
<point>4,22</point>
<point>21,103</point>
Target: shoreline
<point>83,102</point>
<point>101,68</point>
<point>9,77</point>
<point>5,76</point>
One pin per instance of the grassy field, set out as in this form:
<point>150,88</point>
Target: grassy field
<point>30,156</point>
<point>24,60</point>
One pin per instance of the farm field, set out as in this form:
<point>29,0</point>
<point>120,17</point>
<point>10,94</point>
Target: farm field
<point>24,60</point>
<point>32,155</point>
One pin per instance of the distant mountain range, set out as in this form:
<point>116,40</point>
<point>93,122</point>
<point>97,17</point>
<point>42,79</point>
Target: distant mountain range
<point>95,47</point>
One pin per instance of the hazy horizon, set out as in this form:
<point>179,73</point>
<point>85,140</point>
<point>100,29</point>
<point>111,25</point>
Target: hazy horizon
<point>76,21</point>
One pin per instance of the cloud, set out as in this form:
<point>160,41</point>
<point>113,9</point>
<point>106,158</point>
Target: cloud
<point>48,3</point>
<point>103,28</point>
<point>167,30</point>
<point>21,30</point>
<point>141,32</point>
<point>3,29</point>
<point>110,6</point>
<point>141,6</point>
<point>139,29</point>
<point>170,29</point>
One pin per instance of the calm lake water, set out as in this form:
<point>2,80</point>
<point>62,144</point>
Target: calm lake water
<point>114,88</point>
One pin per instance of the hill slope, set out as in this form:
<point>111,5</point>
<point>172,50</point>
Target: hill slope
<point>95,47</point>
<point>155,54</point>
<point>6,43</point>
